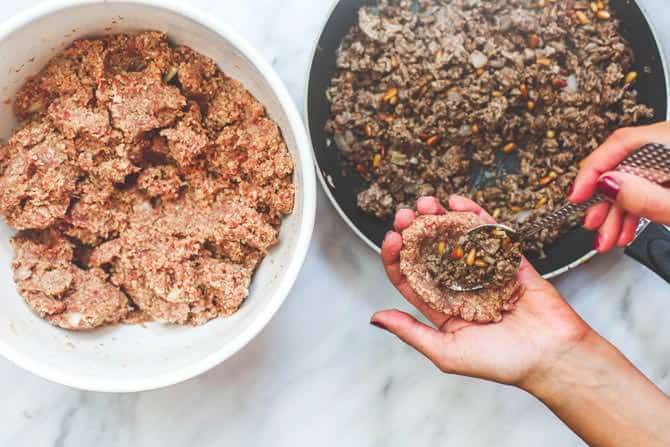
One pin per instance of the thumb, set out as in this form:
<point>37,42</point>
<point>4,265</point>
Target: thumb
<point>530,279</point>
<point>637,196</point>
<point>427,340</point>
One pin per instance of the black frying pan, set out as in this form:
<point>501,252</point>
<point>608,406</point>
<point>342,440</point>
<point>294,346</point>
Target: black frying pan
<point>652,246</point>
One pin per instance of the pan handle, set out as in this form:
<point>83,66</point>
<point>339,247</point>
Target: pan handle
<point>652,248</point>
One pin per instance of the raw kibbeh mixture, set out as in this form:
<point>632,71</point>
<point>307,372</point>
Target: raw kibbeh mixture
<point>145,185</point>
<point>495,100</point>
<point>423,270</point>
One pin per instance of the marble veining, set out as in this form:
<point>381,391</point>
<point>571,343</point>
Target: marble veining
<point>319,374</point>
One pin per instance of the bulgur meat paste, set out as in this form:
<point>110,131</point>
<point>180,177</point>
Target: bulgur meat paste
<point>419,265</point>
<point>145,185</point>
<point>495,100</point>
<point>58,290</point>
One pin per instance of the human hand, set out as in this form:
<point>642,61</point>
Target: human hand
<point>632,197</point>
<point>524,347</point>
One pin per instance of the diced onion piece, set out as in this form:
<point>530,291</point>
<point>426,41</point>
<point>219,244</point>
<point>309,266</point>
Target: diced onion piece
<point>573,84</point>
<point>342,143</point>
<point>478,59</point>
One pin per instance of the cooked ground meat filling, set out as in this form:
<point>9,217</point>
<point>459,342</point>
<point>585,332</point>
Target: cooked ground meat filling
<point>146,185</point>
<point>495,100</point>
<point>417,263</point>
<point>486,258</point>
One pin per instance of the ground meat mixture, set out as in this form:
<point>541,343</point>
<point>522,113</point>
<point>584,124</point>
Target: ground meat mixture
<point>58,290</point>
<point>483,257</point>
<point>145,185</point>
<point>417,260</point>
<point>495,100</point>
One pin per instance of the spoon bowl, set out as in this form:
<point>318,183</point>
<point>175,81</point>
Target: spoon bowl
<point>513,234</point>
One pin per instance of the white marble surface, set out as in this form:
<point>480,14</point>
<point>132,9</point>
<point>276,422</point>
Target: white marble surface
<point>319,374</point>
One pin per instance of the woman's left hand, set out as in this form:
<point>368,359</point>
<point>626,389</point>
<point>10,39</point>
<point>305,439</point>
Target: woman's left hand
<point>527,343</point>
<point>543,347</point>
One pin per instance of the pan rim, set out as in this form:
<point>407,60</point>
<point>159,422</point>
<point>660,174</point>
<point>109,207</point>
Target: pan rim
<point>323,181</point>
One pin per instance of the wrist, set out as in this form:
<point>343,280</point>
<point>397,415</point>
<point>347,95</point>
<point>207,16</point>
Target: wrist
<point>601,396</point>
<point>562,365</point>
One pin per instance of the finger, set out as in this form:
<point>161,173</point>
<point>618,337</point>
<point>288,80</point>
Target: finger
<point>529,277</point>
<point>619,145</point>
<point>629,230</point>
<point>596,215</point>
<point>463,204</point>
<point>453,325</point>
<point>403,219</point>
<point>609,233</point>
<point>430,206</point>
<point>428,341</point>
<point>391,260</point>
<point>400,282</point>
<point>637,196</point>
<point>391,252</point>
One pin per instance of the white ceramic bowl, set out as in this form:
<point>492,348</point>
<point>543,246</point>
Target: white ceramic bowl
<point>135,358</point>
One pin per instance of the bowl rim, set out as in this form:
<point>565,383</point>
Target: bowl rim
<point>293,266</point>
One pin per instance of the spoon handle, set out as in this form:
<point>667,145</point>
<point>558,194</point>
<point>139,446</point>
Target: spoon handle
<point>651,162</point>
<point>559,216</point>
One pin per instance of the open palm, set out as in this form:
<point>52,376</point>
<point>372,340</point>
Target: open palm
<point>528,342</point>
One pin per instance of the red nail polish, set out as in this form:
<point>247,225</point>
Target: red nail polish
<point>596,243</point>
<point>379,325</point>
<point>388,233</point>
<point>609,187</point>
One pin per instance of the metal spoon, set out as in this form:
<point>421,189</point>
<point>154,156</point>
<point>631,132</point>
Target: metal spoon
<point>552,220</point>
<point>651,162</point>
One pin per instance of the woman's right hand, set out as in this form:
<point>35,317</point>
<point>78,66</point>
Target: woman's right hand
<point>631,197</point>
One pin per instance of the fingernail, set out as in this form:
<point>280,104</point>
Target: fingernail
<point>596,243</point>
<point>609,187</point>
<point>379,325</point>
<point>388,233</point>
